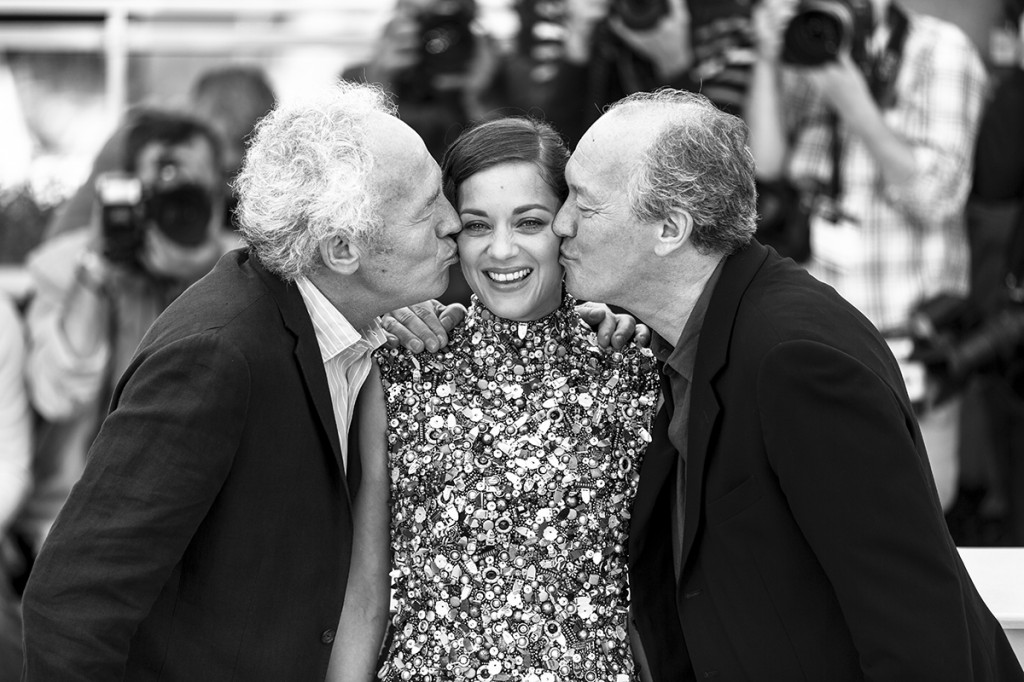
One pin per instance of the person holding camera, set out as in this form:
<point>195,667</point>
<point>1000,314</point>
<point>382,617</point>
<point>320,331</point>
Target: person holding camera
<point>613,48</point>
<point>870,112</point>
<point>439,65</point>
<point>156,229</point>
<point>985,354</point>
<point>441,69</point>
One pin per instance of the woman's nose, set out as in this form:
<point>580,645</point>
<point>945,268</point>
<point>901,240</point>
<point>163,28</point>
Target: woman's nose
<point>504,245</point>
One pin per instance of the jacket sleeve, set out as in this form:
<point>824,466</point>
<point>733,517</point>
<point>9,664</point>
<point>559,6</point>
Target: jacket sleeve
<point>850,462</point>
<point>154,470</point>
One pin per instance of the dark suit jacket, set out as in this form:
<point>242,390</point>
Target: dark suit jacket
<point>814,546</point>
<point>210,536</point>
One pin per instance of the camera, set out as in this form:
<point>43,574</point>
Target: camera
<point>821,30</point>
<point>182,211</point>
<point>640,15</point>
<point>446,38</point>
<point>954,341</point>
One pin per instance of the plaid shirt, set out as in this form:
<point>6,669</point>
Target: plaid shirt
<point>911,240</point>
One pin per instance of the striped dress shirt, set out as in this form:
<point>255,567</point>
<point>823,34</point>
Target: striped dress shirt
<point>345,352</point>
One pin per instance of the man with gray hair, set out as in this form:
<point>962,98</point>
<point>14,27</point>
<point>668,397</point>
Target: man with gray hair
<point>212,533</point>
<point>786,525</point>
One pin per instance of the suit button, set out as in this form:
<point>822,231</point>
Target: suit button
<point>692,593</point>
<point>327,636</point>
<point>708,674</point>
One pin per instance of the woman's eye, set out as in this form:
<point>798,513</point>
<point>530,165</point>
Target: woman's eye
<point>476,227</point>
<point>532,224</point>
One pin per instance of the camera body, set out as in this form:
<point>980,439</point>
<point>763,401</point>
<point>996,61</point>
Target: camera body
<point>446,38</point>
<point>954,340</point>
<point>120,201</point>
<point>821,30</point>
<point>180,210</point>
<point>640,15</point>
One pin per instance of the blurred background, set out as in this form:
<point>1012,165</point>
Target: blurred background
<point>123,122</point>
<point>73,71</point>
<point>69,69</point>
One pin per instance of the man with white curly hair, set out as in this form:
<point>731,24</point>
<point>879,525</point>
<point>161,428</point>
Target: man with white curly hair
<point>216,531</point>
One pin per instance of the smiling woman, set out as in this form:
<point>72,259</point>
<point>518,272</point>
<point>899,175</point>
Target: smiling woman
<point>514,452</point>
<point>509,253</point>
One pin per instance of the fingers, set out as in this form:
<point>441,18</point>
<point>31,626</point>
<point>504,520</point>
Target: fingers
<point>624,328</point>
<point>625,33</point>
<point>451,316</point>
<point>613,330</point>
<point>420,326</point>
<point>600,319</point>
<point>408,329</point>
<point>642,336</point>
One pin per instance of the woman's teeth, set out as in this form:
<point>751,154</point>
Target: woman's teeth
<point>507,277</point>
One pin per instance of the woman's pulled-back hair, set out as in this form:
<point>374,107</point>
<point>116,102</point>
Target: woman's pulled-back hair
<point>505,140</point>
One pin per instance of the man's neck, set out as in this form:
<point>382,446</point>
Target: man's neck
<point>666,306</point>
<point>356,305</point>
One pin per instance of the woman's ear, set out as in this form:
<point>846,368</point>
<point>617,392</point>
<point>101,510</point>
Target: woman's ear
<point>340,255</point>
<point>673,231</point>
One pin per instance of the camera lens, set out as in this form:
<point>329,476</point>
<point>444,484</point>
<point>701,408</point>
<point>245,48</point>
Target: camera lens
<point>182,212</point>
<point>817,34</point>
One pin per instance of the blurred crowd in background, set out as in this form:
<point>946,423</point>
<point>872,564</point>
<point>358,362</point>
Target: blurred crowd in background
<point>895,173</point>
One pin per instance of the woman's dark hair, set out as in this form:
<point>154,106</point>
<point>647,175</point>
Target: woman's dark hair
<point>505,140</point>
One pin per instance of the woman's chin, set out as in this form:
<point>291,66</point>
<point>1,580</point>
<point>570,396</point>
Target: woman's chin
<point>519,305</point>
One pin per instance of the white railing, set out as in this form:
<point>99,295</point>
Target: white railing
<point>998,573</point>
<point>200,27</point>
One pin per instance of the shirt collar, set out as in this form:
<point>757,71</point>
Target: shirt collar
<point>334,333</point>
<point>683,355</point>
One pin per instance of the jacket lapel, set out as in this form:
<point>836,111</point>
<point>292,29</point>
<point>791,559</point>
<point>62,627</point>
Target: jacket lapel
<point>712,354</point>
<point>307,354</point>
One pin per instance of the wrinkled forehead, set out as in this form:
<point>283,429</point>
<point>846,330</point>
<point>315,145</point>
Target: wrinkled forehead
<point>403,171</point>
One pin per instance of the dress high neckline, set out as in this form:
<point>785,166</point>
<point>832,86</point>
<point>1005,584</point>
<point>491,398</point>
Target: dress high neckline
<point>558,322</point>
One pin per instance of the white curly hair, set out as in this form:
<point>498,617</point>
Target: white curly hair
<point>304,178</point>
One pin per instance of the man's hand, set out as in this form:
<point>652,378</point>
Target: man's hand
<point>581,18</point>
<point>843,86</point>
<point>613,330</point>
<point>424,325</point>
<point>667,45</point>
<point>769,19</point>
<point>397,49</point>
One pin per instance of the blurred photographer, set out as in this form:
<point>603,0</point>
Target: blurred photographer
<point>976,345</point>
<point>444,73</point>
<point>871,112</point>
<point>439,65</point>
<point>156,229</point>
<point>613,48</point>
<point>229,98</point>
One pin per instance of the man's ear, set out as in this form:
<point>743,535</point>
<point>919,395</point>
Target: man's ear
<point>340,255</point>
<point>673,231</point>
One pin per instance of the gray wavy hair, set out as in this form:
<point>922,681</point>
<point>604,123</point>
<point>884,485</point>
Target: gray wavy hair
<point>304,178</point>
<point>699,162</point>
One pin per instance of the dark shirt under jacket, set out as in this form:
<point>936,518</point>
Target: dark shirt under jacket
<point>677,372</point>
<point>813,545</point>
